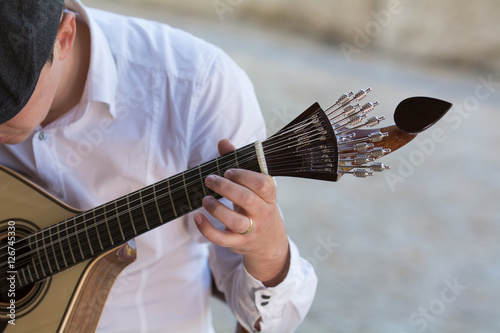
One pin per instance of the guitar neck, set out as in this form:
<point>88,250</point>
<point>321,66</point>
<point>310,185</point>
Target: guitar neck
<point>98,230</point>
<point>306,147</point>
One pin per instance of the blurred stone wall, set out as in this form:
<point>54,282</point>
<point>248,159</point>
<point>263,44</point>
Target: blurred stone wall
<point>455,31</point>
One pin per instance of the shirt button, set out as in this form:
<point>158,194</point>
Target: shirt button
<point>42,136</point>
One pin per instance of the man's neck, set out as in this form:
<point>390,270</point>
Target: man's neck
<point>73,76</point>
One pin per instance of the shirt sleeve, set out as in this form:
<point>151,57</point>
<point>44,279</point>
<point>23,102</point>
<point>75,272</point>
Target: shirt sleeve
<point>281,308</point>
<point>227,107</point>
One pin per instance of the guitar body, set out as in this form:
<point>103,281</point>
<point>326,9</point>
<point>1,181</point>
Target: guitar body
<point>71,301</point>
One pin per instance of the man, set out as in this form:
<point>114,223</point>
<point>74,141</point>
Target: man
<point>94,105</point>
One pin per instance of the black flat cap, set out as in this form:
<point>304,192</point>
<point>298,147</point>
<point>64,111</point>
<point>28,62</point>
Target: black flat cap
<point>28,30</point>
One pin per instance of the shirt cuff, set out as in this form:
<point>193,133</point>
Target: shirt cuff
<point>283,307</point>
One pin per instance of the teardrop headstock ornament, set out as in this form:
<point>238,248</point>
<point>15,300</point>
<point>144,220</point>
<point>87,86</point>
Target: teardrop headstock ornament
<point>342,139</point>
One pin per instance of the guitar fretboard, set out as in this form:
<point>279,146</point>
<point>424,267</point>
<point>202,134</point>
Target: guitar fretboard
<point>98,230</point>
<point>307,147</point>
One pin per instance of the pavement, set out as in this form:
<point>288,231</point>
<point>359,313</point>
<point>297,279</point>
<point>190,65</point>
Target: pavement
<point>414,249</point>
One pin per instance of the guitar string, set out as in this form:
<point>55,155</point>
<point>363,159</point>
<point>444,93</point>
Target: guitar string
<point>104,209</point>
<point>62,252</point>
<point>133,204</point>
<point>244,160</point>
<point>49,244</point>
<point>197,179</point>
<point>77,233</point>
<point>43,261</point>
<point>112,217</point>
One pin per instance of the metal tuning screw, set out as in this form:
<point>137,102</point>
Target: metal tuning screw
<point>363,147</point>
<point>377,136</point>
<point>363,171</point>
<point>359,173</point>
<point>379,167</point>
<point>356,156</point>
<point>361,94</point>
<point>342,101</point>
<point>379,151</point>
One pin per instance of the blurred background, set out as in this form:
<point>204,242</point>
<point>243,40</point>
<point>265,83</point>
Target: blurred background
<point>416,248</point>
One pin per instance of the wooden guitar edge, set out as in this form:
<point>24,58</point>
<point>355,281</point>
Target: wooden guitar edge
<point>84,311</point>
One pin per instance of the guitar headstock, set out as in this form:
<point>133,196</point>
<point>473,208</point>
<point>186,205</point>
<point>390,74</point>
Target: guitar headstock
<point>361,147</point>
<point>328,144</point>
<point>391,139</point>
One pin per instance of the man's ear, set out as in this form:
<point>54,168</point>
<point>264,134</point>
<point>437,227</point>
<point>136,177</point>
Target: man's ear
<point>66,35</point>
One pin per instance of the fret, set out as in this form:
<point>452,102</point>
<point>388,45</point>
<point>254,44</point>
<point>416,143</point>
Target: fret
<point>107,227</point>
<point>186,191</point>
<point>19,281</point>
<point>102,228</point>
<point>113,223</point>
<point>44,248</point>
<point>69,243</point>
<point>157,204</point>
<point>207,169</point>
<point>236,158</point>
<point>130,215</point>
<point>194,188</point>
<point>217,164</point>
<point>82,221</point>
<point>78,239</point>
<point>137,213</point>
<point>60,240</point>
<point>119,220</point>
<point>84,235</point>
<point>143,211</point>
<point>122,210</point>
<point>164,201</point>
<point>225,163</point>
<point>202,181</point>
<point>29,273</point>
<point>35,248</point>
<point>51,240</point>
<point>170,195</point>
<point>34,267</point>
<point>24,275</point>
<point>150,207</point>
<point>180,195</point>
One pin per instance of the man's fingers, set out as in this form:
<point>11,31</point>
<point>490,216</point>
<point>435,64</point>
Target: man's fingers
<point>235,193</point>
<point>262,185</point>
<point>235,221</point>
<point>214,235</point>
<point>225,146</point>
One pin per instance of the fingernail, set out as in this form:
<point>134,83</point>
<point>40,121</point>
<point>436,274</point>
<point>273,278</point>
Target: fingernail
<point>228,174</point>
<point>208,200</point>
<point>197,219</point>
<point>210,180</point>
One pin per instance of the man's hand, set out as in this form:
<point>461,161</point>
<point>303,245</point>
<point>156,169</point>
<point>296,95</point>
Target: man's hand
<point>265,248</point>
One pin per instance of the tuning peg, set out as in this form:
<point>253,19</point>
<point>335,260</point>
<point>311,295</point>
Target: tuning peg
<point>379,167</point>
<point>359,173</point>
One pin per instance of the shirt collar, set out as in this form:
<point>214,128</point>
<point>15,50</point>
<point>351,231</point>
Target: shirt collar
<point>102,80</point>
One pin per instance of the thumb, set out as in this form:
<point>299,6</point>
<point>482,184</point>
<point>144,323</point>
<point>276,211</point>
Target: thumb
<point>225,146</point>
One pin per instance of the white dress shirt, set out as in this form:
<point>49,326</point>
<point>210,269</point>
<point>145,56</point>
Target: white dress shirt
<point>156,102</point>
